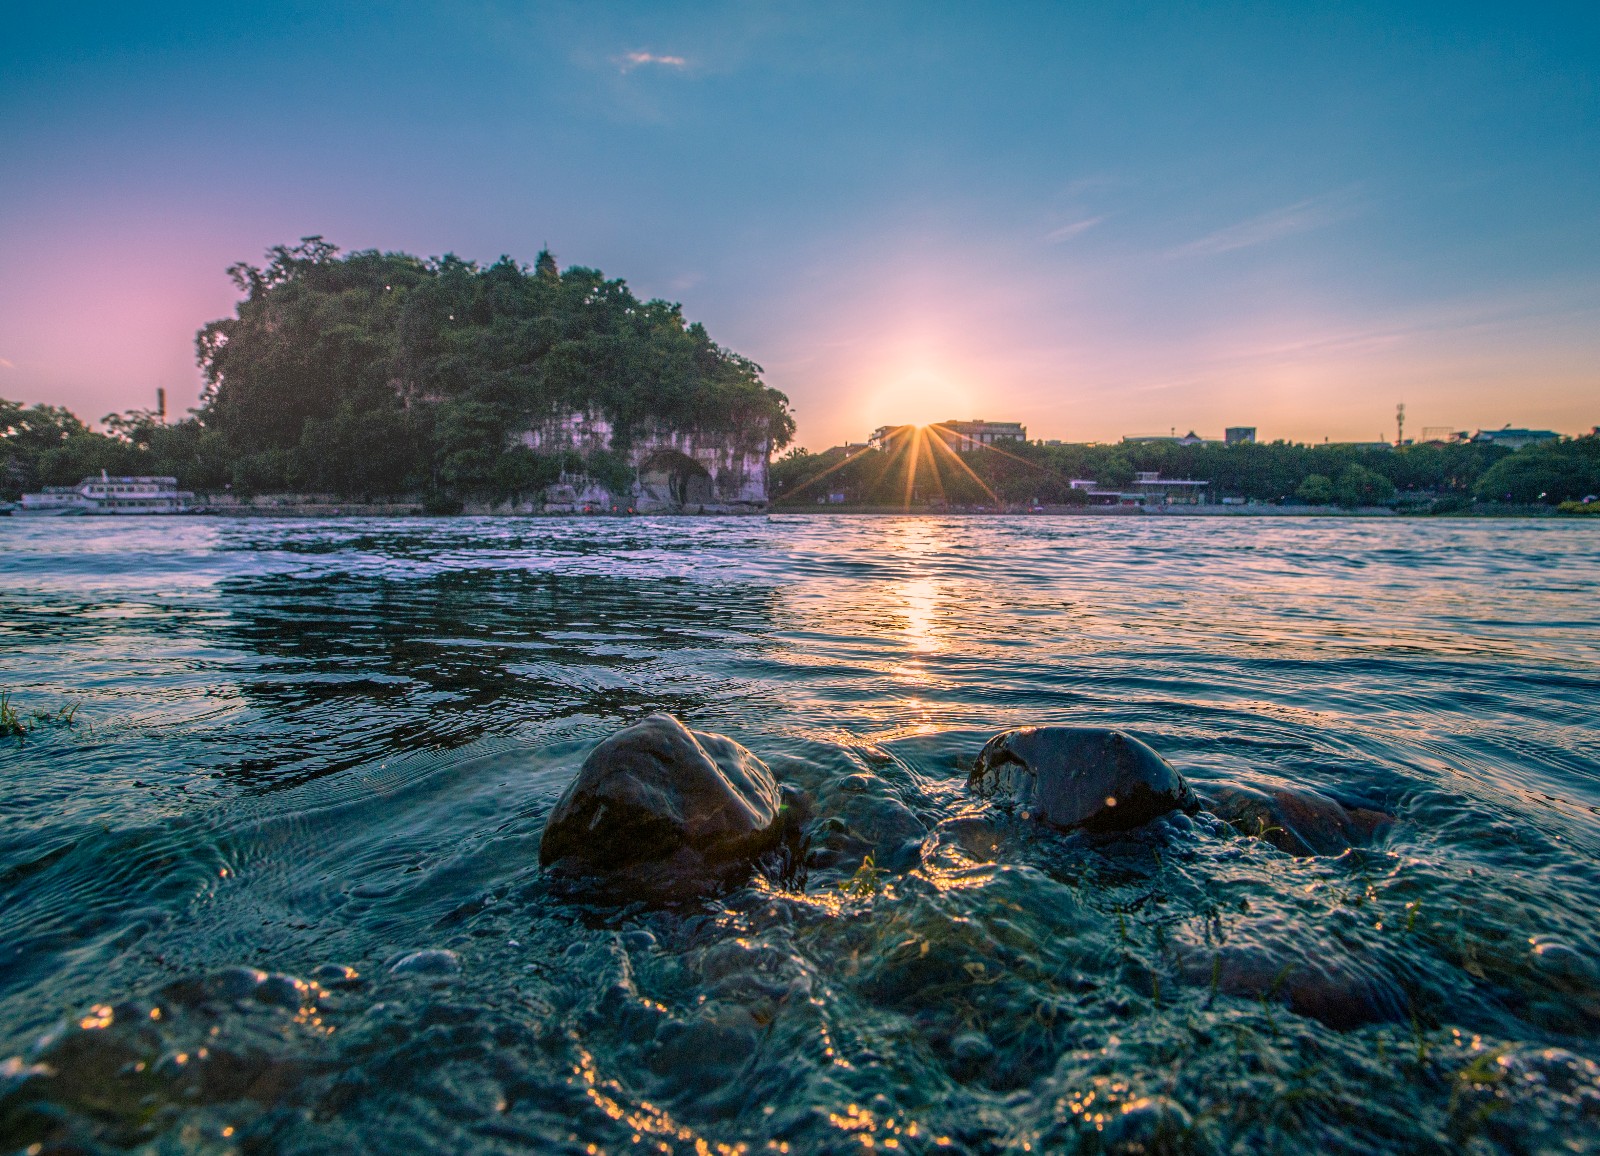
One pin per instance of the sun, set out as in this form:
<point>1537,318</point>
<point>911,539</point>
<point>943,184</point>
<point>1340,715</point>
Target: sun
<point>916,397</point>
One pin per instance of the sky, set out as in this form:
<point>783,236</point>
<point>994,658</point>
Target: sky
<point>1098,219</point>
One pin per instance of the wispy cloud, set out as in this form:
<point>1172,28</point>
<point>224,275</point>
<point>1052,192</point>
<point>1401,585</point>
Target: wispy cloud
<point>1300,217</point>
<point>1067,232</point>
<point>628,61</point>
<point>4,364</point>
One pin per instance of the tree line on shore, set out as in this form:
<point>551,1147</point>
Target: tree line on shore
<point>375,374</point>
<point>1451,475</point>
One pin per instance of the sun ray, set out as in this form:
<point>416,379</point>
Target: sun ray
<point>940,443</point>
<point>900,441</point>
<point>917,444</point>
<point>815,478</point>
<point>933,466</point>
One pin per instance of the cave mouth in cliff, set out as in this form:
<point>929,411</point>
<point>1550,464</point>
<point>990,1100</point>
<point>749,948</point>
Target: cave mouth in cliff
<point>676,477</point>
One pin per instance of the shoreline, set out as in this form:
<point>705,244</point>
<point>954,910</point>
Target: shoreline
<point>312,511</point>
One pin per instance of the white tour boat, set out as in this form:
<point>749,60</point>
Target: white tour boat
<point>109,495</point>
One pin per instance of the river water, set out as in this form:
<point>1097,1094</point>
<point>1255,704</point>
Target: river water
<point>318,748</point>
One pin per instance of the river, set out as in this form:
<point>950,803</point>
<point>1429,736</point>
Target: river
<point>317,748</point>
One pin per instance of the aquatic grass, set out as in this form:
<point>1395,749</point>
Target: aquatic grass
<point>14,724</point>
<point>867,880</point>
<point>1480,1084</point>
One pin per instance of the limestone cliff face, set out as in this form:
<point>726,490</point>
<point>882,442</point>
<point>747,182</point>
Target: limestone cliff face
<point>674,469</point>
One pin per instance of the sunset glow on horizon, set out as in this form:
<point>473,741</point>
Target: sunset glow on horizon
<point>1093,223</point>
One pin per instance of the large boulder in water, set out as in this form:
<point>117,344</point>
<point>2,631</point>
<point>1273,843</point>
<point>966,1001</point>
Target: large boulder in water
<point>1091,778</point>
<point>658,794</point>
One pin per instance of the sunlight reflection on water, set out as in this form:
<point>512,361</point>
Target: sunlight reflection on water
<point>304,742</point>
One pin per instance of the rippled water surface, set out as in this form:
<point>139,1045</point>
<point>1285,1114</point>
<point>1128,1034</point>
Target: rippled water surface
<point>303,744</point>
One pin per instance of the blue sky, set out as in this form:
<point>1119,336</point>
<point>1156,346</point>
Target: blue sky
<point>1099,219</point>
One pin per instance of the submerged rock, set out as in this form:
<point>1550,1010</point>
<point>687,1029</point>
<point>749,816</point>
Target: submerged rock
<point>1086,777</point>
<point>658,792</point>
<point>862,815</point>
<point>435,961</point>
<point>1295,820</point>
<point>1149,1124</point>
<point>1319,981</point>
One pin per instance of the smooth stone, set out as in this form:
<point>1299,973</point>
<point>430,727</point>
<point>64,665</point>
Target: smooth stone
<point>658,791</point>
<point>971,1048</point>
<point>1092,778</point>
<point>1555,955</point>
<point>234,982</point>
<point>336,975</point>
<point>1340,991</point>
<point>431,961</point>
<point>1147,1124</point>
<point>286,991</point>
<point>1296,820</point>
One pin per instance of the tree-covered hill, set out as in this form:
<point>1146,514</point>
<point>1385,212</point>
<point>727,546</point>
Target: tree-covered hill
<point>376,373</point>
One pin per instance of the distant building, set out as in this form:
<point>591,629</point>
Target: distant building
<point>1514,439</point>
<point>967,435</point>
<point>1189,439</point>
<point>1239,435</point>
<point>110,495</point>
<point>884,434</point>
<point>1149,488</point>
<point>1159,491</point>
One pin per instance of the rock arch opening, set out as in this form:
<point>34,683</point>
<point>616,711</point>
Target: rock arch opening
<point>675,478</point>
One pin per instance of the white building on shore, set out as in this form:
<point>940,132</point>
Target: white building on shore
<point>110,495</point>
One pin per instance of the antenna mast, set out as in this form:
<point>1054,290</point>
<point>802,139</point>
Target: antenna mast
<point>1400,424</point>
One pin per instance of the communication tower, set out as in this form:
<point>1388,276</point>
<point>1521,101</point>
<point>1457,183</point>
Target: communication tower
<point>1400,424</point>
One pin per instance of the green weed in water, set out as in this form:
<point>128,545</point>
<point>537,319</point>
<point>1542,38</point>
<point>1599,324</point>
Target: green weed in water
<point>13,724</point>
<point>865,883</point>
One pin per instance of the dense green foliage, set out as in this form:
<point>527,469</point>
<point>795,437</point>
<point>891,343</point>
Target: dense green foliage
<point>1016,473</point>
<point>380,373</point>
<point>374,373</point>
<point>1549,472</point>
<point>46,445</point>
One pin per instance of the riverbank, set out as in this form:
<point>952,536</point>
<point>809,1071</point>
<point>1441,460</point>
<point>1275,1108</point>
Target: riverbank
<point>292,505</point>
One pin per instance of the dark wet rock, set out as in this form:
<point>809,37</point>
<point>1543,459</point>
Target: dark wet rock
<point>285,991</point>
<point>970,1053</point>
<point>660,793</point>
<point>1562,961</point>
<point>336,975</point>
<point>1080,777</point>
<point>233,983</point>
<point>435,961</point>
<point>1149,1124</point>
<point>1296,820</point>
<point>1333,988</point>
